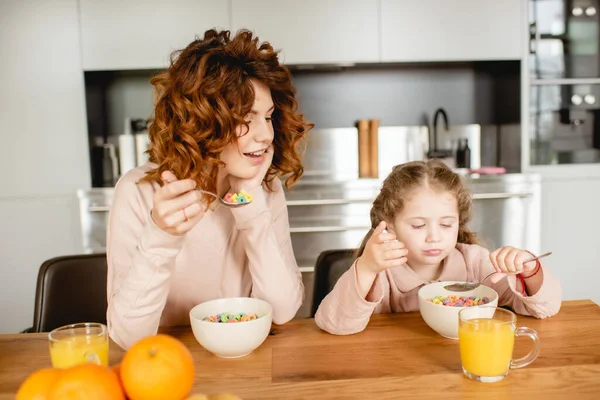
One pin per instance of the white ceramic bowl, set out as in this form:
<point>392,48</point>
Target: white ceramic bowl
<point>444,319</point>
<point>231,340</point>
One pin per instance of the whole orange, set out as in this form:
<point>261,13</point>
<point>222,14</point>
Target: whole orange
<point>158,367</point>
<point>87,382</point>
<point>116,369</point>
<point>38,385</point>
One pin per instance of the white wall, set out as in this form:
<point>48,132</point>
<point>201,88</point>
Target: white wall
<point>570,222</point>
<point>44,152</point>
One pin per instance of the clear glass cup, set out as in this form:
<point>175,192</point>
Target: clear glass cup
<point>81,343</point>
<point>486,336</point>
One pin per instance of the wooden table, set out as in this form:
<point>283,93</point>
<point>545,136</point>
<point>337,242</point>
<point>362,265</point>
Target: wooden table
<point>396,356</point>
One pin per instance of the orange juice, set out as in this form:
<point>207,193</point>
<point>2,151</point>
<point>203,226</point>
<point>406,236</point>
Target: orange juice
<point>79,349</point>
<point>486,346</point>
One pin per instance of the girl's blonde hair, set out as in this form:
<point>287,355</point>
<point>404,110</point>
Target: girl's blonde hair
<point>404,179</point>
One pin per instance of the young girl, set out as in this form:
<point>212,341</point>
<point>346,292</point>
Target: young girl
<point>225,120</point>
<point>419,236</point>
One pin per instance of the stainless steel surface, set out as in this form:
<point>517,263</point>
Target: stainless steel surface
<point>94,205</point>
<point>331,154</point>
<point>494,196</point>
<point>400,144</point>
<point>565,81</point>
<point>466,286</point>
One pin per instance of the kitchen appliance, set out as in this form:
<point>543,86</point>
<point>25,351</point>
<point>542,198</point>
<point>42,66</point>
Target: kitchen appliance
<point>105,165</point>
<point>127,152</point>
<point>564,84</point>
<point>142,141</point>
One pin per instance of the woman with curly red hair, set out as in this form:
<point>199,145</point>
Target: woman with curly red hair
<point>225,119</point>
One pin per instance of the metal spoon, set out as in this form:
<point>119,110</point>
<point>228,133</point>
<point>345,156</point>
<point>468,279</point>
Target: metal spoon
<point>225,203</point>
<point>466,286</point>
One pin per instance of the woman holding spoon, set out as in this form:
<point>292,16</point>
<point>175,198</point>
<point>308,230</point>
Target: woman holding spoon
<point>225,120</point>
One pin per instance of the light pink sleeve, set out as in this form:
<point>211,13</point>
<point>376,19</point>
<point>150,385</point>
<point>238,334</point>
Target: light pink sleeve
<point>140,259</point>
<point>276,278</point>
<point>545,303</point>
<point>344,311</point>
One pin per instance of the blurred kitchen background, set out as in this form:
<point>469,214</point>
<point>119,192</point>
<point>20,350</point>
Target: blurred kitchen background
<point>384,81</point>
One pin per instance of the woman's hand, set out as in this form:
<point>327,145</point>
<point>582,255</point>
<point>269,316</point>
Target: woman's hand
<point>177,206</point>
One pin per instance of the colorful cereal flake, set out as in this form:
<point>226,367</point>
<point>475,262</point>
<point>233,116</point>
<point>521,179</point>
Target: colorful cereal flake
<point>241,197</point>
<point>459,301</point>
<point>226,317</point>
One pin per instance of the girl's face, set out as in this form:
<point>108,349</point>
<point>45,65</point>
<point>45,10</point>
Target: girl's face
<point>244,158</point>
<point>428,226</point>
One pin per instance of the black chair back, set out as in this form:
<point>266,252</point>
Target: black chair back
<point>70,289</point>
<point>330,266</point>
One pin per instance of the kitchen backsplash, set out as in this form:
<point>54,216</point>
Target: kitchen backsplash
<point>484,94</point>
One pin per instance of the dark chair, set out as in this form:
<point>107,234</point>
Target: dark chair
<point>330,266</point>
<point>70,289</point>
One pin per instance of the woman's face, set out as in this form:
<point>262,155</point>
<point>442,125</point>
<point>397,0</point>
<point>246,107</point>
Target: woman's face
<point>244,158</point>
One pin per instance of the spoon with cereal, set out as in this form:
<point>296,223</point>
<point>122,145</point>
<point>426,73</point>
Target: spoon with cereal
<point>232,200</point>
<point>466,286</point>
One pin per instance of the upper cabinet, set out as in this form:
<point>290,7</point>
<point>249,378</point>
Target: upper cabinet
<point>442,30</point>
<point>314,31</point>
<point>141,34</point>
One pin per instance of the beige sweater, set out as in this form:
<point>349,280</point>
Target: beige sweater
<point>344,311</point>
<point>155,278</point>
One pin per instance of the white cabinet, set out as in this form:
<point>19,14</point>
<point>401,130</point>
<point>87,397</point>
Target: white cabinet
<point>442,30</point>
<point>44,156</point>
<point>141,34</point>
<point>313,31</point>
<point>570,225</point>
<point>42,102</point>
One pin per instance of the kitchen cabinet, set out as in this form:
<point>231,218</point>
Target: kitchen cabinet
<point>441,30</point>
<point>570,221</point>
<point>313,31</point>
<point>44,157</point>
<point>141,34</point>
<point>42,102</point>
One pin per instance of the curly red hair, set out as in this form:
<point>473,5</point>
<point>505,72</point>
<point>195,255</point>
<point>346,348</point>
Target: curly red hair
<point>204,96</point>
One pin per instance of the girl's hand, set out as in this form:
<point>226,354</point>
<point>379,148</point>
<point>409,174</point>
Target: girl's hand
<point>510,260</point>
<point>238,184</point>
<point>382,251</point>
<point>177,206</point>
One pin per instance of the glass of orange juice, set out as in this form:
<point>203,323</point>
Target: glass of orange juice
<point>81,343</point>
<point>486,337</point>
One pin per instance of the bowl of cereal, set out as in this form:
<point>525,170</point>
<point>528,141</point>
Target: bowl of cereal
<point>439,307</point>
<point>231,327</point>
